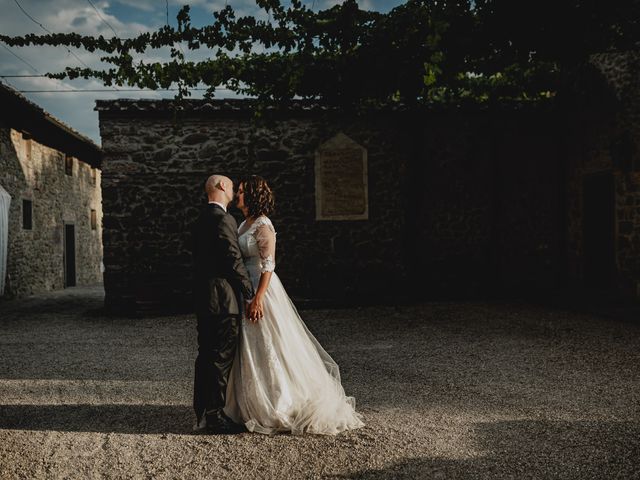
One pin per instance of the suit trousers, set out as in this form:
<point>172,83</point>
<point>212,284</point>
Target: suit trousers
<point>217,343</point>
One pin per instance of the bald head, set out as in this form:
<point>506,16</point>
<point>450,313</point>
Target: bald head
<point>219,189</point>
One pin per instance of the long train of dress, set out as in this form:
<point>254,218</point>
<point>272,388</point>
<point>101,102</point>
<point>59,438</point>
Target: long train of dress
<point>282,379</point>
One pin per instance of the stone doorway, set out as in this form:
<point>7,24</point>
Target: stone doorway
<point>69,255</point>
<point>598,230</point>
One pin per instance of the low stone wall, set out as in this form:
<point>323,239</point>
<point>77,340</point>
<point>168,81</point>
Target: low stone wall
<point>32,171</point>
<point>460,203</point>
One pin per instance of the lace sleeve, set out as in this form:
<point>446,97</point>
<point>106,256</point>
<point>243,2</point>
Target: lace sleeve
<point>266,238</point>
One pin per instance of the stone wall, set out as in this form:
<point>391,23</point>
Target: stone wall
<point>153,174</point>
<point>488,210</point>
<point>459,203</point>
<point>603,138</point>
<point>462,202</point>
<point>32,171</point>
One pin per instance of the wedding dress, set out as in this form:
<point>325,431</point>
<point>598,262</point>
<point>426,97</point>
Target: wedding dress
<point>282,380</point>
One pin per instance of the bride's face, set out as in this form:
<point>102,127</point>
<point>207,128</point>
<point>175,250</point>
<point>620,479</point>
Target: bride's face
<point>240,197</point>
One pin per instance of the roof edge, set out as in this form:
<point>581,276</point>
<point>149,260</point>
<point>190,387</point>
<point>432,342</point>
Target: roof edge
<point>22,114</point>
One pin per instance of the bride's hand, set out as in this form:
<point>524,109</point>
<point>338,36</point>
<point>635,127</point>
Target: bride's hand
<point>255,309</point>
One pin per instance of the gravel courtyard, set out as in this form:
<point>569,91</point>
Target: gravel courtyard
<point>447,390</point>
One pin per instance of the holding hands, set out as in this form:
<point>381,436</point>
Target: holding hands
<point>254,309</point>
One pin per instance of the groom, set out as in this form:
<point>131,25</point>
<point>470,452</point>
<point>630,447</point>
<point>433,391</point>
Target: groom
<point>221,280</point>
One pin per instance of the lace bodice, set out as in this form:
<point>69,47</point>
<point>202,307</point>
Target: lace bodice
<point>258,244</point>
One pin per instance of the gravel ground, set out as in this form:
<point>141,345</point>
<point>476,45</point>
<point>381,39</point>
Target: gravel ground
<point>447,390</point>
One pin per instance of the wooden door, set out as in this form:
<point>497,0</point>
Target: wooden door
<point>598,224</point>
<point>69,255</point>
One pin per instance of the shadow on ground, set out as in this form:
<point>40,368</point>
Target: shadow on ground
<point>448,390</point>
<point>531,449</point>
<point>138,419</point>
<point>507,449</point>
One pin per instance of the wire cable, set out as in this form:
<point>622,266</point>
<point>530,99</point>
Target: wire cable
<point>5,82</point>
<point>30,66</point>
<point>119,90</point>
<point>23,61</point>
<point>31,18</point>
<point>103,90</point>
<point>48,31</point>
<point>103,20</point>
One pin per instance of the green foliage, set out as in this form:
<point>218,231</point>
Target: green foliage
<point>424,51</point>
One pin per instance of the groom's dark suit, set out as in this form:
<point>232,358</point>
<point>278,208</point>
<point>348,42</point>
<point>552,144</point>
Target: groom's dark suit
<point>221,280</point>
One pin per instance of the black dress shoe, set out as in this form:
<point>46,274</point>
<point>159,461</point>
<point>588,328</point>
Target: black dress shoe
<point>226,428</point>
<point>218,422</point>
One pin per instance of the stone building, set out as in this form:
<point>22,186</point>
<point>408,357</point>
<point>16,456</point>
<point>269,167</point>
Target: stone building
<point>53,211</point>
<point>603,179</point>
<point>153,177</point>
<point>394,203</point>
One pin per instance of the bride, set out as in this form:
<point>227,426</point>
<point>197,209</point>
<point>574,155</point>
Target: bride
<point>282,380</point>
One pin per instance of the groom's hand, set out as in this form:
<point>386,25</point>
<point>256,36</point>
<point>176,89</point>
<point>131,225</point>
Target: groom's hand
<point>247,308</point>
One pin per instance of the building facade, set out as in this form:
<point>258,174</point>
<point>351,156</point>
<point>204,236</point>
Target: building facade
<point>457,202</point>
<point>54,213</point>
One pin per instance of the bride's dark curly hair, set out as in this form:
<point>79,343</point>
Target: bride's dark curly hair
<point>258,197</point>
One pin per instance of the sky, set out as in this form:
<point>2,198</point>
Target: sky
<point>128,19</point>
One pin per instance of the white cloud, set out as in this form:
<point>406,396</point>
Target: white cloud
<point>75,109</point>
<point>144,5</point>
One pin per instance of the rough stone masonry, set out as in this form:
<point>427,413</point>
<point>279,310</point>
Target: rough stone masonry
<point>461,201</point>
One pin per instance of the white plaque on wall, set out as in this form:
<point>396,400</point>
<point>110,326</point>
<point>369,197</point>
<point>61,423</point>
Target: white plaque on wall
<point>341,180</point>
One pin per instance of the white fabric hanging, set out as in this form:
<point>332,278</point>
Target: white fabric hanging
<point>5,201</point>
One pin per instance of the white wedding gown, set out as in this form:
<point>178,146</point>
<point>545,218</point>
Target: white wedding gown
<point>282,380</point>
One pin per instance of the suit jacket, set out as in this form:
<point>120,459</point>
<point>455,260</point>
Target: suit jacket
<point>220,277</point>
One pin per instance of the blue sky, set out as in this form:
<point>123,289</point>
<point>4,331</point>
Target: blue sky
<point>127,18</point>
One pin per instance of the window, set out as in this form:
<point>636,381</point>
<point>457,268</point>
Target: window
<point>27,214</point>
<point>94,220</point>
<point>68,164</point>
<point>26,136</point>
<point>94,176</point>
